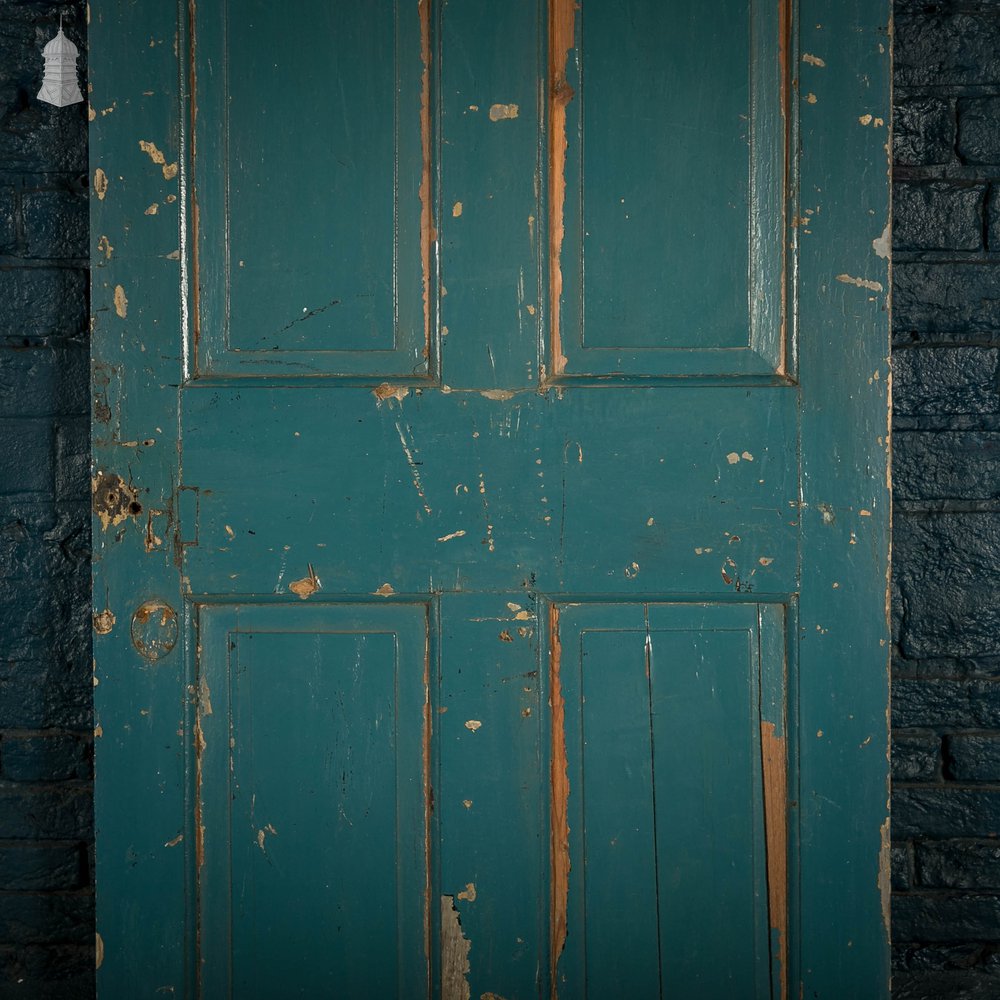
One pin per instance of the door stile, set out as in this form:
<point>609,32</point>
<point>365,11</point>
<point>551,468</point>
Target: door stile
<point>844,61</point>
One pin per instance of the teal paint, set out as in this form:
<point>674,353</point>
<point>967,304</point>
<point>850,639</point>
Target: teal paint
<point>344,507</point>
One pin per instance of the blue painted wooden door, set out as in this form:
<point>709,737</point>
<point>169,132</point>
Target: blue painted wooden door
<point>490,498</point>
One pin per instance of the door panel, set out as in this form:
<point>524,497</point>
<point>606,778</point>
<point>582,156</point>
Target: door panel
<point>312,775</point>
<point>491,503</point>
<point>665,712</point>
<point>672,262</point>
<point>292,173</point>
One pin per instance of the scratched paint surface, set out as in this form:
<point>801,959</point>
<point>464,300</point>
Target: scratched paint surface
<point>491,403</point>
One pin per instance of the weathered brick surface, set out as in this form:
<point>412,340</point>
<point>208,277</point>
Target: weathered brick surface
<point>940,465</point>
<point>946,297</point>
<point>935,47</point>
<point>945,381</point>
<point>946,568</point>
<point>946,484</point>
<point>959,864</point>
<point>923,131</point>
<point>973,756</point>
<point>978,141</point>
<point>939,216</point>
<point>46,822</point>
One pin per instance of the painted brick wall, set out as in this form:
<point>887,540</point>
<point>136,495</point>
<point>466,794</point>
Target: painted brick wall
<point>46,903</point>
<point>946,910</point>
<point>946,470</point>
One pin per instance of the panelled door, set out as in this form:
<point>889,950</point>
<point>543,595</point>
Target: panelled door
<point>490,497</point>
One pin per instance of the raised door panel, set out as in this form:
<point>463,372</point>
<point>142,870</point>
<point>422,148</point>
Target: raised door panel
<point>668,160</point>
<point>670,841</point>
<point>311,783</point>
<point>309,185</point>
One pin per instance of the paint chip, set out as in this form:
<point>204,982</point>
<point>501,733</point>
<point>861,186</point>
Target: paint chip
<point>872,286</point>
<point>456,210</point>
<point>812,60</point>
<point>501,112</point>
<point>121,302</point>
<point>454,534</point>
<point>733,457</point>
<point>384,591</point>
<point>100,184</point>
<point>473,724</point>
<point>469,892</point>
<point>149,148</point>
<point>388,391</point>
<point>307,586</point>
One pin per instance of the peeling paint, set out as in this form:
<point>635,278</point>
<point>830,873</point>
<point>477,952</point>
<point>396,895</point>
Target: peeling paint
<point>559,808</point>
<point>884,880</point>
<point>121,302</point>
<point>500,394</point>
<point>812,60</point>
<point>454,534</point>
<point>100,184</point>
<point>388,391</point>
<point>150,149</point>
<point>384,591</point>
<point>98,951</point>
<point>104,621</point>
<point>473,725</point>
<point>456,210</point>
<point>503,112</point>
<point>882,245</point>
<point>455,947</point>
<point>562,18</point>
<point>307,586</point>
<point>104,246</point>
<point>872,286</point>
<point>113,500</point>
<point>775,780</point>
<point>469,892</point>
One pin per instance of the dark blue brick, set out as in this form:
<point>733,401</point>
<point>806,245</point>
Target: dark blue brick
<point>973,757</point>
<point>56,223</point>
<point>935,917</point>
<point>945,703</point>
<point>946,465</point>
<point>938,216</point>
<point>978,134</point>
<point>945,380</point>
<point>938,812</point>
<point>946,48</point>
<point>958,864</point>
<point>946,567</point>
<point>45,812</point>
<point>923,132</point>
<point>946,298</point>
<point>59,918</point>
<point>44,867</point>
<point>961,984</point>
<point>916,757</point>
<point>27,456</point>
<point>48,757</point>
<point>41,303</point>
